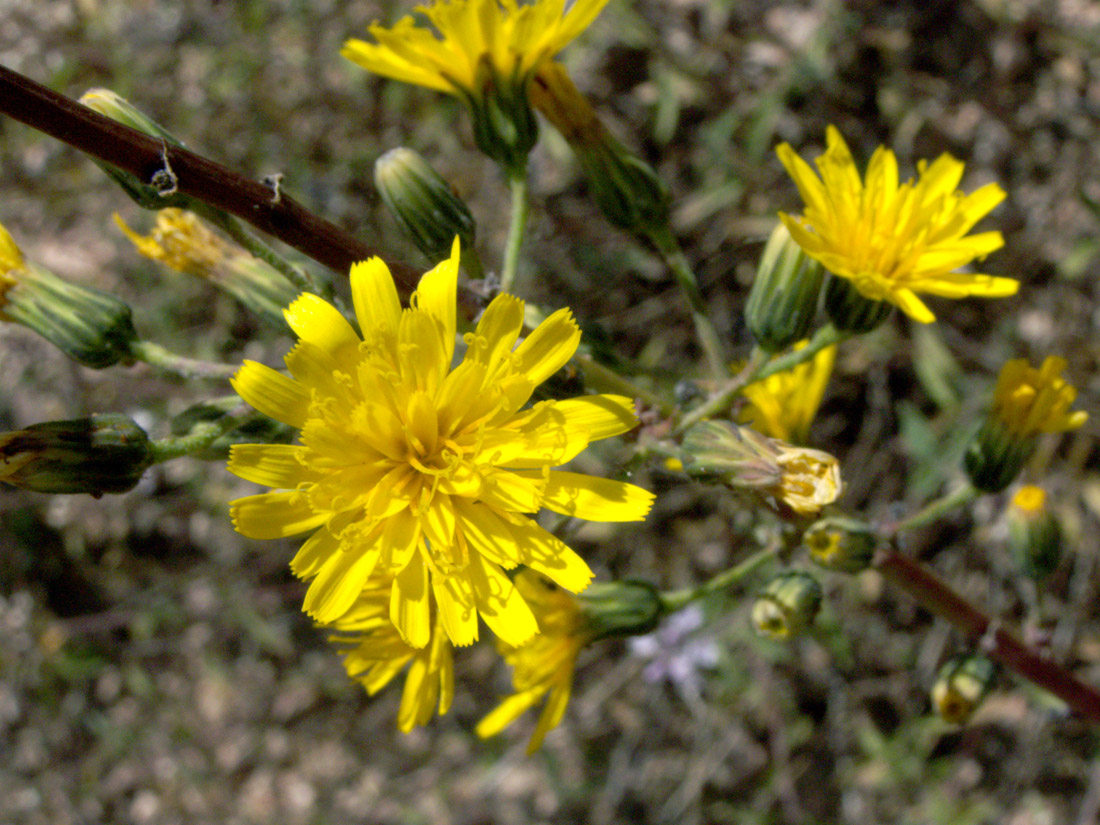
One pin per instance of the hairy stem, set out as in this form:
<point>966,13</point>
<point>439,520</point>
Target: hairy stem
<point>162,359</point>
<point>202,435</point>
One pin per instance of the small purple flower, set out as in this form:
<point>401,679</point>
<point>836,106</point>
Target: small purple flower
<point>676,655</point>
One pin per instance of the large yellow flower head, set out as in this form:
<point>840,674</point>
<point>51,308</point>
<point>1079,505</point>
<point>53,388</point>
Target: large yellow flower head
<point>484,52</point>
<point>545,664</point>
<point>893,240</point>
<point>425,472</point>
<point>513,38</point>
<point>1029,401</point>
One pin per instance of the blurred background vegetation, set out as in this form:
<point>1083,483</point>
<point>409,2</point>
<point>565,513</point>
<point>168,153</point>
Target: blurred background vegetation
<point>155,667</point>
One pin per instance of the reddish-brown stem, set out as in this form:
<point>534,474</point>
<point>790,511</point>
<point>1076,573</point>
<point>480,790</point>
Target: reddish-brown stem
<point>994,641</point>
<point>143,156</point>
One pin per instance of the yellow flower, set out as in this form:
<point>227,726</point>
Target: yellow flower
<point>894,240</point>
<point>783,405</point>
<point>484,52</point>
<point>374,653</point>
<point>1029,401</point>
<point>513,38</point>
<point>545,664</point>
<point>423,471</point>
<point>182,242</point>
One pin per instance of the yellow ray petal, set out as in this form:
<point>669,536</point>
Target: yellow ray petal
<point>274,515</point>
<point>410,604</point>
<point>272,393</point>
<point>338,584</point>
<point>315,320</point>
<point>374,294</point>
<point>274,465</point>
<point>500,604</point>
<point>596,499</point>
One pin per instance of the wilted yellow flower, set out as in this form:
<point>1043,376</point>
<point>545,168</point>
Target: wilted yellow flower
<point>894,240</point>
<point>374,654</point>
<point>422,471</point>
<point>1029,401</point>
<point>783,405</point>
<point>545,664</point>
<point>483,52</point>
<point>183,242</point>
<point>805,480</point>
<point>810,479</point>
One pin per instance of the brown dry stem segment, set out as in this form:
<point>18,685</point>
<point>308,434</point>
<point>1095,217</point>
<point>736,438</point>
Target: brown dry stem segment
<point>935,596</point>
<point>252,201</point>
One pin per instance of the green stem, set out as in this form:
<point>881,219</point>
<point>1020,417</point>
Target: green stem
<point>258,249</point>
<point>678,599</point>
<point>758,369</point>
<point>202,435</point>
<point>662,238</point>
<point>933,510</point>
<point>517,182</point>
<point>162,359</point>
<point>605,379</point>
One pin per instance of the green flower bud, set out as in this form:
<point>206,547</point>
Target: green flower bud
<point>842,544</point>
<point>1034,535</point>
<point>996,456</point>
<point>961,685</point>
<point>782,304</point>
<point>623,608</point>
<point>625,188</point>
<point>850,310</point>
<point>787,605</point>
<point>101,454</point>
<point>159,191</point>
<point>91,327</point>
<point>505,128</point>
<point>425,206</point>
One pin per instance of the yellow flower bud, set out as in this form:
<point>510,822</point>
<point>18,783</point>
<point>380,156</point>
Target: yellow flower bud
<point>963,682</point>
<point>787,605</point>
<point>1026,402</point>
<point>1034,535</point>
<point>843,544</point>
